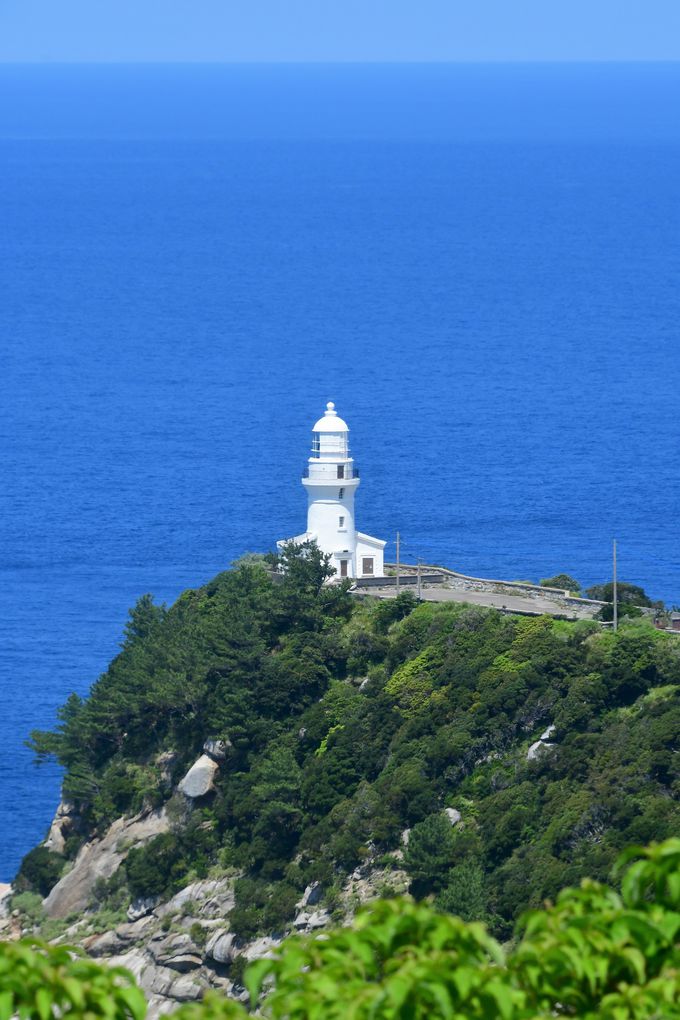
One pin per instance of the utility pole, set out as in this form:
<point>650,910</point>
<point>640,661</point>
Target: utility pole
<point>420,590</point>
<point>615,591</point>
<point>397,563</point>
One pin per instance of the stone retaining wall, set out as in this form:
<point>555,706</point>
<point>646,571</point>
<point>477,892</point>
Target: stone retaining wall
<point>463,582</point>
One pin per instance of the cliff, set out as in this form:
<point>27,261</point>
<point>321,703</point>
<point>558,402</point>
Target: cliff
<point>263,757</point>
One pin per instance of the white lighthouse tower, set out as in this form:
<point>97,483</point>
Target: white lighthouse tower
<point>331,480</point>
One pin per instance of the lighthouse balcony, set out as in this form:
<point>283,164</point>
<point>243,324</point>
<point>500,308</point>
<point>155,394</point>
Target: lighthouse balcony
<point>330,472</point>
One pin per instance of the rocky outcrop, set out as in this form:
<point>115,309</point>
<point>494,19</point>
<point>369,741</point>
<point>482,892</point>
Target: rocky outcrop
<point>221,946</point>
<point>5,895</point>
<point>216,897</point>
<point>217,748</point>
<point>200,779</point>
<point>541,745</point>
<point>100,858</point>
<point>178,952</point>
<point>311,920</point>
<point>65,821</point>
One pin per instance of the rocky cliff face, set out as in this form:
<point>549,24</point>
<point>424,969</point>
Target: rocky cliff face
<point>180,947</point>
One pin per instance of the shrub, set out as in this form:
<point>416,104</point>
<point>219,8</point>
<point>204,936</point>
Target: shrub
<point>45,982</point>
<point>40,870</point>
<point>153,869</point>
<point>597,954</point>
<point>430,853</point>
<point>565,581</point>
<point>464,893</point>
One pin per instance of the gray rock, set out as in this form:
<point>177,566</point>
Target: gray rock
<point>217,749</point>
<point>309,920</point>
<point>453,816</point>
<point>157,980</point>
<point>311,896</point>
<point>135,960</point>
<point>220,947</point>
<point>5,896</point>
<point>405,836</point>
<point>100,858</point>
<point>260,948</point>
<point>108,944</point>
<point>547,734</point>
<point>64,822</point>
<point>318,919</point>
<point>133,931</point>
<point>179,952</point>
<point>184,989</point>
<point>210,895</point>
<point>140,907</point>
<point>200,779</point>
<point>538,748</point>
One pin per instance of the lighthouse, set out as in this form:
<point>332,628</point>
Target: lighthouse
<point>331,480</point>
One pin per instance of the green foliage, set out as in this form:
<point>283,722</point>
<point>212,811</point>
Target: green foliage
<point>565,581</point>
<point>430,853</point>
<point>29,905</point>
<point>596,954</point>
<point>39,870</point>
<point>163,864</point>
<point>323,775</point>
<point>464,893</point>
<point>154,869</point>
<point>42,982</point>
<point>630,598</point>
<point>627,593</point>
<point>262,906</point>
<point>411,684</point>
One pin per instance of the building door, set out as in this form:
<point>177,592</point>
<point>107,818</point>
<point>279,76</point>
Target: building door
<point>343,568</point>
<point>367,566</point>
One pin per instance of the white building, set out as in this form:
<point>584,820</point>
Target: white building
<point>331,480</point>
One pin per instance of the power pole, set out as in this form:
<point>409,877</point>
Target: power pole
<point>420,590</point>
<point>615,591</point>
<point>397,563</point>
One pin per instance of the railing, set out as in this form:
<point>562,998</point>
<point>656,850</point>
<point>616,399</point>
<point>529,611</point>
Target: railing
<point>349,475</point>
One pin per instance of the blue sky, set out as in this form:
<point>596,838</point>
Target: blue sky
<point>338,30</point>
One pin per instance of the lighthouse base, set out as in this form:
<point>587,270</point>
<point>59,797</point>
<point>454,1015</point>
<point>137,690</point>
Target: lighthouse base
<point>365,559</point>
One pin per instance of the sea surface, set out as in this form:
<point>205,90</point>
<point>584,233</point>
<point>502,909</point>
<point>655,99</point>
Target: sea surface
<point>479,264</point>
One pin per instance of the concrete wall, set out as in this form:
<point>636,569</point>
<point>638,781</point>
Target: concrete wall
<point>463,582</point>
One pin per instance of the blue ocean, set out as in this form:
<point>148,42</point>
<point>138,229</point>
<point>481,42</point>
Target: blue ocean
<point>479,264</point>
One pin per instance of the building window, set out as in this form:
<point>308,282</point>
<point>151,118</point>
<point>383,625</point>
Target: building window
<point>341,522</point>
<point>341,470</point>
<point>367,565</point>
<point>341,494</point>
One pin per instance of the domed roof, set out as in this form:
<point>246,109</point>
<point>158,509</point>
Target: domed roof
<point>330,421</point>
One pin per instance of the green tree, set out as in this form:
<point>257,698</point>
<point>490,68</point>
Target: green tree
<point>565,581</point>
<point>464,893</point>
<point>430,853</point>
<point>39,870</point>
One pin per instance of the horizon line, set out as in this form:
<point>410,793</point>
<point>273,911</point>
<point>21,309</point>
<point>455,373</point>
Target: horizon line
<point>348,62</point>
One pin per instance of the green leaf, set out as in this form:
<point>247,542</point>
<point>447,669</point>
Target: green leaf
<point>6,1005</point>
<point>43,1003</point>
<point>134,999</point>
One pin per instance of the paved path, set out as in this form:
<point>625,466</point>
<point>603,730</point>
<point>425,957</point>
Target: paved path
<point>511,603</point>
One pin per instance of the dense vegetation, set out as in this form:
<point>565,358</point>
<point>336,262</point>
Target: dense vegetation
<point>350,721</point>
<point>594,954</point>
